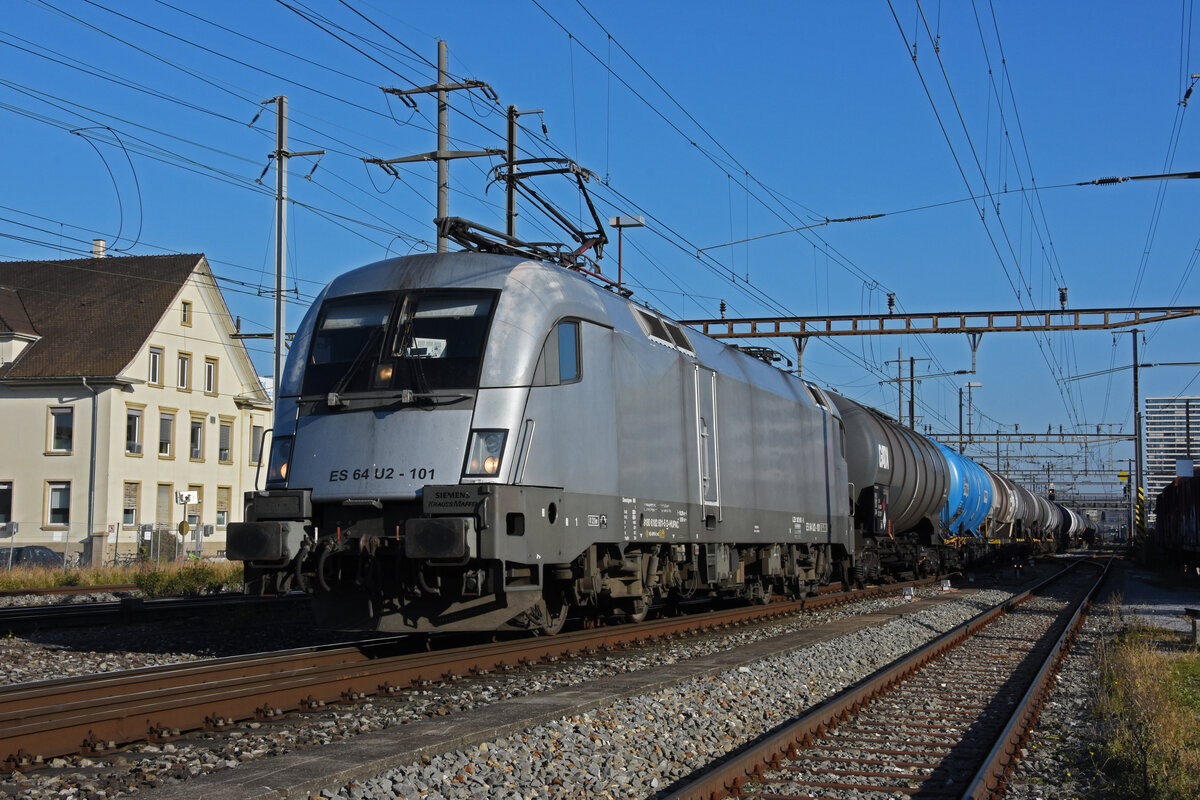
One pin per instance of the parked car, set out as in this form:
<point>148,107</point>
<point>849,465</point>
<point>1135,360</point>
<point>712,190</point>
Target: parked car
<point>34,555</point>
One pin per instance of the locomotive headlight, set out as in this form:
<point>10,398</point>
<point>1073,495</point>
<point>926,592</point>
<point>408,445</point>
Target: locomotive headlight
<point>277,465</point>
<point>484,452</point>
<point>383,375</point>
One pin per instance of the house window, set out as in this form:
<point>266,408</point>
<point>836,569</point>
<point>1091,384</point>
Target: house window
<point>225,443</point>
<point>256,438</point>
<point>195,511</point>
<point>129,505</point>
<point>166,432</point>
<point>156,355</point>
<point>185,314</point>
<point>185,371</point>
<point>224,493</point>
<point>5,502</point>
<point>210,376</point>
<point>133,431</point>
<point>162,510</point>
<point>196,439</point>
<point>62,425</point>
<point>58,504</point>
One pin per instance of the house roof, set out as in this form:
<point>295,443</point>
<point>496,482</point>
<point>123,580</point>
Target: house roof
<point>93,314</point>
<point>13,316</point>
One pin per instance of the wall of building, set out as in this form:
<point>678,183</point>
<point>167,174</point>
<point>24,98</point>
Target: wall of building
<point>1166,432</point>
<point>133,474</point>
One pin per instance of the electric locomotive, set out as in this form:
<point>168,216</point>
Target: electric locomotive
<point>478,441</point>
<point>470,441</point>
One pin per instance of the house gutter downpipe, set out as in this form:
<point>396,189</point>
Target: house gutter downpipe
<point>91,473</point>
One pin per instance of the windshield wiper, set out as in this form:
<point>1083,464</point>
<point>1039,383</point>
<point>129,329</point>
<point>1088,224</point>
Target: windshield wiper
<point>333,399</point>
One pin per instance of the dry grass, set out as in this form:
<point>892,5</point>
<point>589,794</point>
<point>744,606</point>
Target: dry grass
<point>1147,703</point>
<point>163,579</point>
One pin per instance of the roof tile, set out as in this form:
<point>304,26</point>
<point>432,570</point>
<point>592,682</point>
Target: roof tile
<point>93,314</point>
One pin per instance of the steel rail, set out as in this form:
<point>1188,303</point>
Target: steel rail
<point>94,714</point>
<point>729,775</point>
<point>133,610</point>
<point>991,779</point>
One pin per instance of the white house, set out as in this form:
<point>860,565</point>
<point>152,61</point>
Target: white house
<point>121,385</point>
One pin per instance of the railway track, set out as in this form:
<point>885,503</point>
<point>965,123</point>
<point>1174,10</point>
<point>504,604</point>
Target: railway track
<point>95,714</point>
<point>129,610</point>
<point>947,721</point>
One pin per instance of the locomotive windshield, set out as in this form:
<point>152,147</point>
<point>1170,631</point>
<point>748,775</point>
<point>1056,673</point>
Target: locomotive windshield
<point>419,341</point>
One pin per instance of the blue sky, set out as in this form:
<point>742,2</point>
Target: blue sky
<point>716,121</point>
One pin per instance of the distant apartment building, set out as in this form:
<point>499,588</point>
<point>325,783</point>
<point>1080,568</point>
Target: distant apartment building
<point>121,385</point>
<point>1172,432</point>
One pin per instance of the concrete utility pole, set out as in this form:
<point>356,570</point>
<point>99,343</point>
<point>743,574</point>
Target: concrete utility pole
<point>281,155</point>
<point>970,410</point>
<point>511,184</point>
<point>1137,422</point>
<point>443,154</point>
<point>912,382</point>
<point>280,238</point>
<point>899,386</point>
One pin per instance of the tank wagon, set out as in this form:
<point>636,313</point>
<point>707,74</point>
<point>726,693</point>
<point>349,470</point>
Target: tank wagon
<point>472,441</point>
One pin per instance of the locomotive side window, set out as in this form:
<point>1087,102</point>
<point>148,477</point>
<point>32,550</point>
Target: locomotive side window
<point>568,351</point>
<point>560,359</point>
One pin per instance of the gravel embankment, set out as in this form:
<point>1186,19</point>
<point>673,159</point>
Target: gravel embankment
<point>1057,760</point>
<point>60,653</point>
<point>635,746</point>
<point>641,745</point>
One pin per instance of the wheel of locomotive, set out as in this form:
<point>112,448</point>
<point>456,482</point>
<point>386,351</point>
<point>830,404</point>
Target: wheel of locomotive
<point>554,616</point>
<point>858,578</point>
<point>639,608</point>
<point>254,580</point>
<point>757,593</point>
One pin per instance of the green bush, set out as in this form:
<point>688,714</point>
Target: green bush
<point>189,580</point>
<point>152,583</point>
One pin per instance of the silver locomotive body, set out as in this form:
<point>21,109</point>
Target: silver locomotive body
<point>467,441</point>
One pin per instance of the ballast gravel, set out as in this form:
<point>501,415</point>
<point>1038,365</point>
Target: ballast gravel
<point>635,747</point>
<point>640,746</point>
<point>1059,759</point>
<point>144,767</point>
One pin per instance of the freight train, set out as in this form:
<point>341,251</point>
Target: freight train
<point>478,442</point>
<point>1175,540</point>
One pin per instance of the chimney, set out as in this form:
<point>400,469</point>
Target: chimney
<point>97,248</point>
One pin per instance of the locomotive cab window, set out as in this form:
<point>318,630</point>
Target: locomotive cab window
<point>560,360</point>
<point>348,331</point>
<point>437,343</point>
<point>421,341</point>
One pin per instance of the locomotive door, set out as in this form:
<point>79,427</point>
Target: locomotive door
<point>706,442</point>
